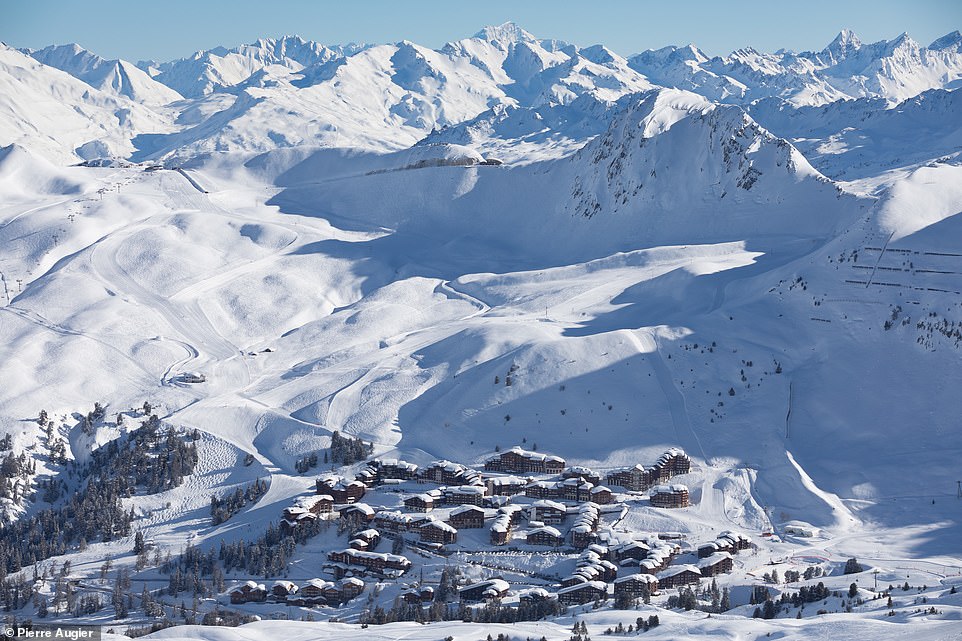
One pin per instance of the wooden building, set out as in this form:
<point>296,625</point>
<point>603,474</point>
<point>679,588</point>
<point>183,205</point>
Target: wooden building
<point>636,585</point>
<point>718,563</point>
<point>339,490</point>
<point>248,592</point>
<point>518,460</point>
<point>636,478</point>
<point>419,503</point>
<point>583,593</point>
<point>438,532</point>
<point>548,512</point>
<point>467,517</point>
<point>678,575</point>
<point>484,590</point>
<point>545,536</point>
<point>669,496</point>
<point>464,495</point>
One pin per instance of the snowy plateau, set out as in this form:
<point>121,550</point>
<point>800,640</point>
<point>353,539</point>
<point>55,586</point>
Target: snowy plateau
<point>511,338</point>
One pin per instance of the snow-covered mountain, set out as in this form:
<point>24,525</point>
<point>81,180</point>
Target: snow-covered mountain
<point>117,77</point>
<point>55,114</point>
<point>507,240</point>
<point>216,69</point>
<point>847,68</point>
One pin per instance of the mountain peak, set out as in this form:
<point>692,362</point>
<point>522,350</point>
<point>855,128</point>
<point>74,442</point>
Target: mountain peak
<point>950,40</point>
<point>844,43</point>
<point>505,34</point>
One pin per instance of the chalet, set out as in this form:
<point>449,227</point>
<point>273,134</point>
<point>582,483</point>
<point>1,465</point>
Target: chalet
<point>358,514</point>
<point>599,569</point>
<point>583,593</point>
<point>332,593</point>
<point>359,544</point>
<point>419,503</point>
<point>295,519</point>
<point>545,536</point>
<point>438,532</point>
<point>484,590</point>
<point>573,489</point>
<point>248,592</point>
<point>464,495</point>
<point>541,490</point>
<point>500,532</point>
<point>636,585</point>
<point>669,496</point>
<point>384,564</point>
<point>282,590</point>
<point>367,476</point>
<point>516,513</point>
<point>534,595</point>
<point>316,504</point>
<point>339,490</point>
<point>651,566</point>
<point>313,590</point>
<point>506,485</point>
<point>739,541</point>
<point>392,521</point>
<point>446,473</point>
<point>632,550</point>
<point>467,517</point>
<point>390,468</point>
<point>370,536</point>
<point>636,479</point>
<point>678,575</point>
<point>518,460</point>
<point>675,460</point>
<point>601,495</point>
<point>583,473</point>
<point>351,587</point>
<point>718,563</point>
<point>548,512</point>
<point>574,579</point>
<point>582,531</point>
<point>411,597</point>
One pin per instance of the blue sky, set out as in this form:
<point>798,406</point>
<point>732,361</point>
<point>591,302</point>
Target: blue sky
<point>167,29</point>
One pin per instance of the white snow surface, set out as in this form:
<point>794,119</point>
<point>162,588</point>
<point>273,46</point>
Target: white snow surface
<point>313,230</point>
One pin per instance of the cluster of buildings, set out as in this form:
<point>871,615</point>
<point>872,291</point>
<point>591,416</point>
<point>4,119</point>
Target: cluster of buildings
<point>341,563</point>
<point>575,495</point>
<point>312,592</point>
<point>639,478</point>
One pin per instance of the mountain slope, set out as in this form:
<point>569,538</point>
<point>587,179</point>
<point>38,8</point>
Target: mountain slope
<point>57,115</point>
<point>117,77</point>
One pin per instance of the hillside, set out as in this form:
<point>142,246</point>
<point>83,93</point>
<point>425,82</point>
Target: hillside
<point>506,242</point>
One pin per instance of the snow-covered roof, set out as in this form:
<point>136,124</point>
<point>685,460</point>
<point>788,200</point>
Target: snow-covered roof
<point>318,583</point>
<point>715,558</point>
<point>466,489</point>
<point>251,585</point>
<point>440,525</point>
<point>507,480</point>
<point>598,585</point>
<point>364,508</point>
<point>644,578</point>
<point>467,509</point>
<point>498,584</point>
<point>548,504</point>
<point>669,489</point>
<point>678,569</point>
<point>547,530</point>
<point>352,581</point>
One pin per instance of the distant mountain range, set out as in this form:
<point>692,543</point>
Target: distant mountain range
<point>503,88</point>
